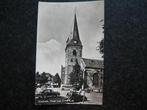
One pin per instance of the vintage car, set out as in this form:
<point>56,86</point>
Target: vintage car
<point>50,92</point>
<point>75,96</point>
<point>46,94</point>
<point>66,87</point>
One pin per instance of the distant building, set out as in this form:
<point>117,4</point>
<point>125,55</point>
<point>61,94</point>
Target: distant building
<point>92,68</point>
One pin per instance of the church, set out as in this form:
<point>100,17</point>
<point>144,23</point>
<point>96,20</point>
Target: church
<point>92,69</point>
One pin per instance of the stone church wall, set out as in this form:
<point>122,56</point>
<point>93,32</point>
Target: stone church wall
<point>70,60</point>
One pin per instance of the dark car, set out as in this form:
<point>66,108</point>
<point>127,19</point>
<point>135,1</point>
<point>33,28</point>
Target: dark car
<point>45,94</point>
<point>50,93</point>
<point>74,96</point>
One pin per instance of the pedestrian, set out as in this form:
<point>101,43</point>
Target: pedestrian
<point>83,95</point>
<point>82,92</point>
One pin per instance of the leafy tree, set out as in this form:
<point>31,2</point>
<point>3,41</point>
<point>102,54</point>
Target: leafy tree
<point>76,76</point>
<point>43,78</point>
<point>37,73</point>
<point>101,46</point>
<point>57,79</point>
<point>37,78</point>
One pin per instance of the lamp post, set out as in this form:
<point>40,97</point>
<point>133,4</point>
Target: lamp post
<point>83,79</point>
<point>99,80</point>
<point>83,66</point>
<point>83,85</point>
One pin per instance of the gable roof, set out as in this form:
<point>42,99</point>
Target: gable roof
<point>93,63</point>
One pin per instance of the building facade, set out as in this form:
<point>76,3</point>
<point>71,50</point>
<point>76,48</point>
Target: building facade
<point>93,71</point>
<point>92,68</point>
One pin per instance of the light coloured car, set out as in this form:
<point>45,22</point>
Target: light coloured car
<point>66,87</point>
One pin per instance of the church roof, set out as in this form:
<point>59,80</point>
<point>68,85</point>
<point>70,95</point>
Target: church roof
<point>74,35</point>
<point>93,63</point>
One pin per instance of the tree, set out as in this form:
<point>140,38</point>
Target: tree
<point>76,76</point>
<point>37,76</point>
<point>37,79</point>
<point>57,79</point>
<point>101,46</point>
<point>43,78</point>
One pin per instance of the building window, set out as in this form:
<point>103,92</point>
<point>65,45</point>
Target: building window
<point>74,53</point>
<point>71,60</point>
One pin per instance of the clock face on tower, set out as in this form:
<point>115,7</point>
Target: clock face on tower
<point>75,41</point>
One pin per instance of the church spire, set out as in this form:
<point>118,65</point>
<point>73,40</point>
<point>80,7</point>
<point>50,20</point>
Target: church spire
<point>74,39</point>
<point>75,29</point>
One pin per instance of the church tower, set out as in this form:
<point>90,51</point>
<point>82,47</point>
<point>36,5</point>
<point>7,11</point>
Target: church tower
<point>73,50</point>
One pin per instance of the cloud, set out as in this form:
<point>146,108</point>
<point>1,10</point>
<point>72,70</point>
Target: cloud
<point>50,47</point>
<point>48,58</point>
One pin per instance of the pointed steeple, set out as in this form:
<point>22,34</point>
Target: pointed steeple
<point>75,29</point>
<point>74,38</point>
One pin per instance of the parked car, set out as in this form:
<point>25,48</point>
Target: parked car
<point>66,87</point>
<point>74,96</point>
<point>50,92</point>
<point>46,94</point>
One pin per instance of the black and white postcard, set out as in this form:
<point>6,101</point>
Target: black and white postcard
<point>70,52</point>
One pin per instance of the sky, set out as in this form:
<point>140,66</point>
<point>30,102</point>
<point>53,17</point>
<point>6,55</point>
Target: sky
<point>54,25</point>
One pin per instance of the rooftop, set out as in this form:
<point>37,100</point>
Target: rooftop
<point>93,63</point>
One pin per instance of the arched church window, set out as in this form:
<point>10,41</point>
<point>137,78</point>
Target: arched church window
<point>74,53</point>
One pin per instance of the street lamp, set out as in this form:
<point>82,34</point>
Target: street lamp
<point>83,85</point>
<point>83,79</point>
